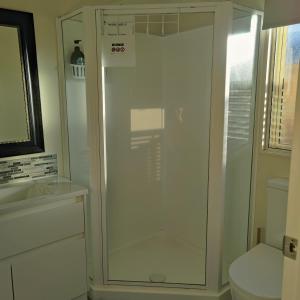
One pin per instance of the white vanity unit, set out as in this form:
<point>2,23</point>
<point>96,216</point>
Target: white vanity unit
<point>42,241</point>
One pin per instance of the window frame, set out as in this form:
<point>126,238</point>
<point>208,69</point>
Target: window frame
<point>268,90</point>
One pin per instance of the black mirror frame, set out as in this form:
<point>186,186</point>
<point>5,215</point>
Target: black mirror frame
<point>23,21</point>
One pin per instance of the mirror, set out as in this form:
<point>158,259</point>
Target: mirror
<point>12,92</point>
<point>21,129</point>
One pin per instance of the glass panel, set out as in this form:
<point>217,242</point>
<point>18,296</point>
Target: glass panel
<point>242,60</point>
<point>157,115</point>
<point>290,83</point>
<point>286,69</point>
<point>72,29</point>
<point>14,117</point>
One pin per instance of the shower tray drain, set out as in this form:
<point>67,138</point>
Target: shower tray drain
<point>157,277</point>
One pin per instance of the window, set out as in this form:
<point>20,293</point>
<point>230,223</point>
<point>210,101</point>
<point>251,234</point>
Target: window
<point>283,74</point>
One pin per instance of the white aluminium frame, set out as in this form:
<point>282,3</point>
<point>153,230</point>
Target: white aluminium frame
<point>222,27</point>
<point>93,213</point>
<point>94,94</point>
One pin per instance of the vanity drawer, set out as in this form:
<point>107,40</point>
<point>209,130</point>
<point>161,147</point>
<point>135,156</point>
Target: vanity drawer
<point>54,272</point>
<point>32,228</point>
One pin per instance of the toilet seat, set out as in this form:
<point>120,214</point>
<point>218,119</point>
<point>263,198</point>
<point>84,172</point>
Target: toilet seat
<point>258,273</point>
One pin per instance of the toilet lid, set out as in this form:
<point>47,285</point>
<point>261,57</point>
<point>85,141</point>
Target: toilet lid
<point>259,272</point>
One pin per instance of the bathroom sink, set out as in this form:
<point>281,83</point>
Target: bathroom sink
<point>20,195</point>
<point>22,192</point>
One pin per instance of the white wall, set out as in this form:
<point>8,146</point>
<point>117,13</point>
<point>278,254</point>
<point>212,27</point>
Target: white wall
<point>44,18</point>
<point>268,165</point>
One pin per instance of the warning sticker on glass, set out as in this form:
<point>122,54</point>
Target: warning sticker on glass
<point>119,41</point>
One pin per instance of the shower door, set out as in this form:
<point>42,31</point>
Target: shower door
<point>156,82</point>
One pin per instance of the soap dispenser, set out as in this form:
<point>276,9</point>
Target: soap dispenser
<point>77,57</point>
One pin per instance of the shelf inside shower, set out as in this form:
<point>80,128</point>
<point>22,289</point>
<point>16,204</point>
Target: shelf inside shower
<point>160,258</point>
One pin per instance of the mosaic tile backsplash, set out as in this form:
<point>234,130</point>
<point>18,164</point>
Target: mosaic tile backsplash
<point>28,168</point>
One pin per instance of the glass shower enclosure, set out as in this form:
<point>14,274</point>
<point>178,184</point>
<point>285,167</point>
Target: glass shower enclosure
<point>167,115</point>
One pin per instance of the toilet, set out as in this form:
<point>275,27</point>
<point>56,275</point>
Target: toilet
<point>257,275</point>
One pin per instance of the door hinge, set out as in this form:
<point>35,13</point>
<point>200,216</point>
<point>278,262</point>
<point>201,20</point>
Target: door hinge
<point>290,247</point>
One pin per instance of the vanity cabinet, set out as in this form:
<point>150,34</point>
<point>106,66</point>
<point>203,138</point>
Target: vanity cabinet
<point>43,251</point>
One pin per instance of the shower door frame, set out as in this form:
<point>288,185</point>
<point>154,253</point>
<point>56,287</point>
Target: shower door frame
<point>215,201</point>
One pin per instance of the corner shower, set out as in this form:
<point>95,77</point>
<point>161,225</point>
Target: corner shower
<point>161,131</point>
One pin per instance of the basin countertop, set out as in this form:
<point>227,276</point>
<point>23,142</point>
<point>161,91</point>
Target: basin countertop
<point>32,193</point>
